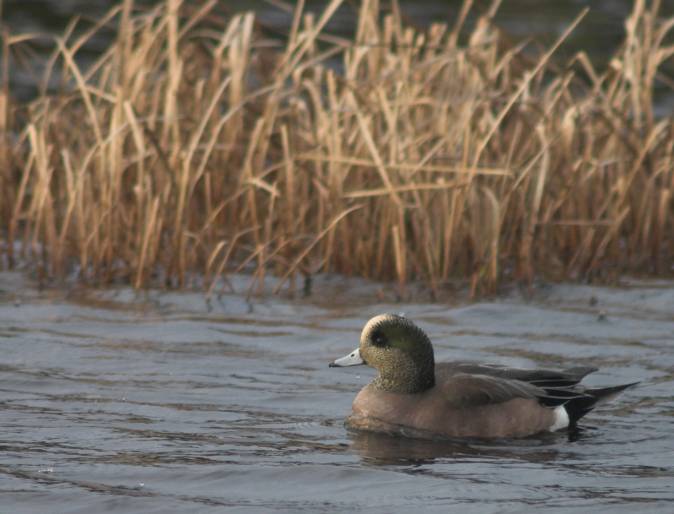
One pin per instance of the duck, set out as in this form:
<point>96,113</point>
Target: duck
<point>415,397</point>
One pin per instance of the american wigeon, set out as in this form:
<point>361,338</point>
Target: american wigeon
<point>413,396</point>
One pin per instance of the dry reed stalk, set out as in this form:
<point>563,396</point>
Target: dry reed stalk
<point>189,146</point>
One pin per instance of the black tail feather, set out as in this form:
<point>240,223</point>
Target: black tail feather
<point>589,399</point>
<point>555,396</point>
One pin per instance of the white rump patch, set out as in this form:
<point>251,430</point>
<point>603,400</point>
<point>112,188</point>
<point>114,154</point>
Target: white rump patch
<point>561,419</point>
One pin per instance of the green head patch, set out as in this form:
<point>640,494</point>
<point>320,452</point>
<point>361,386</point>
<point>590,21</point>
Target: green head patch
<point>400,351</point>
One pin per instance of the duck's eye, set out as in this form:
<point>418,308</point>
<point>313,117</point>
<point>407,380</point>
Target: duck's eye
<point>379,338</point>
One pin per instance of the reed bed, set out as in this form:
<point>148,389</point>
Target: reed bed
<point>196,147</point>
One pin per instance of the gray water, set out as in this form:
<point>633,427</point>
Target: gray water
<point>112,401</point>
<point>600,34</point>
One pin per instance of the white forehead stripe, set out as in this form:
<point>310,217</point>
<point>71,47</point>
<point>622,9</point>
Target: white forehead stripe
<point>369,326</point>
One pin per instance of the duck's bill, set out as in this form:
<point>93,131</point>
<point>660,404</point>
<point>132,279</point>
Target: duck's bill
<point>352,359</point>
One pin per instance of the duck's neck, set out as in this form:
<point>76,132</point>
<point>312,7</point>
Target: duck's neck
<point>407,377</point>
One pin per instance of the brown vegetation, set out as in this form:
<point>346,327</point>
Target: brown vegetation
<point>195,147</point>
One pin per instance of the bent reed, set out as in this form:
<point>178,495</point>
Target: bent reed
<point>197,146</point>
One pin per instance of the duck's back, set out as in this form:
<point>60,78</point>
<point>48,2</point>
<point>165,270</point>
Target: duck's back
<point>538,377</point>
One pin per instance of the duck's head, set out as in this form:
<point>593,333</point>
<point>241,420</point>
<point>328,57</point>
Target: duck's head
<point>399,350</point>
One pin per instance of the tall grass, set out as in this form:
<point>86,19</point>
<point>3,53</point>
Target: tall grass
<point>194,146</point>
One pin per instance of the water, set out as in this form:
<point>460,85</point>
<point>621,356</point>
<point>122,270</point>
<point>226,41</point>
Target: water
<point>599,35</point>
<point>113,401</point>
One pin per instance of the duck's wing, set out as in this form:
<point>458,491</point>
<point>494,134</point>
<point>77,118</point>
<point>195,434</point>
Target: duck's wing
<point>539,377</point>
<point>462,390</point>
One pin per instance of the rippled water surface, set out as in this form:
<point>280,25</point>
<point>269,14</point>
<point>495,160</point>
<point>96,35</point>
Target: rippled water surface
<point>116,402</point>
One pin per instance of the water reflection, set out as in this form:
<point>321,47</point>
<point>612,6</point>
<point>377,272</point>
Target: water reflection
<point>383,449</point>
